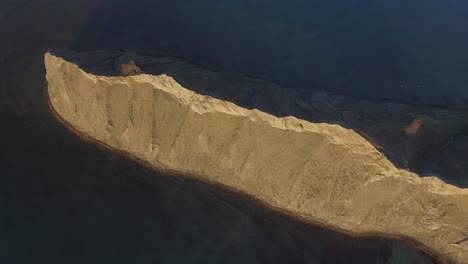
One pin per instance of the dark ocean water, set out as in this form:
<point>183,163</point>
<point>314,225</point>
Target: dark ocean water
<point>411,51</point>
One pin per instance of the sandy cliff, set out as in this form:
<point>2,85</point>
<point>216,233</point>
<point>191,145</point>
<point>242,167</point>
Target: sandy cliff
<point>318,171</point>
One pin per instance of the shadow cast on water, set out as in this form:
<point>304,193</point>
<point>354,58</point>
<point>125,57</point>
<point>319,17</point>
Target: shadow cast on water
<point>368,49</point>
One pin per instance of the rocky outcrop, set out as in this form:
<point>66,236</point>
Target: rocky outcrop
<point>414,127</point>
<point>125,66</point>
<point>317,171</point>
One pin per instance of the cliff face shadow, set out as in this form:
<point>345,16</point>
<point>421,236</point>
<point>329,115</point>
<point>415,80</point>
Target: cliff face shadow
<point>418,138</point>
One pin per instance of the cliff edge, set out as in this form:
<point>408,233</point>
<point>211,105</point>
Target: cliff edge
<point>317,171</point>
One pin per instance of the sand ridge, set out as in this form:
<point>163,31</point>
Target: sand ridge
<point>318,171</point>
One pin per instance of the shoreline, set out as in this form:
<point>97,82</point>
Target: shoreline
<point>194,177</point>
<point>314,87</point>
